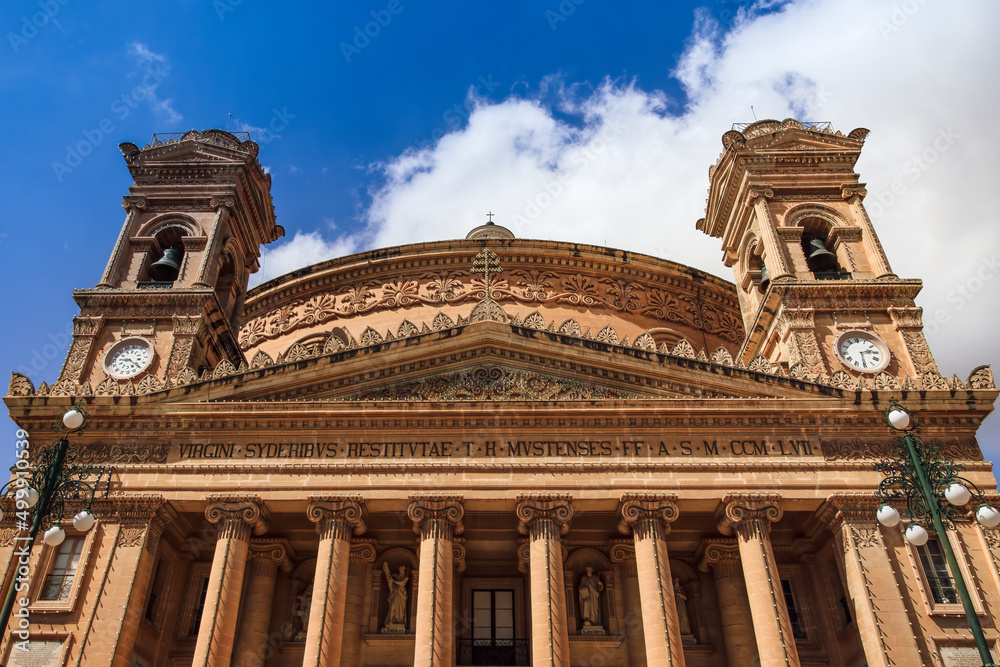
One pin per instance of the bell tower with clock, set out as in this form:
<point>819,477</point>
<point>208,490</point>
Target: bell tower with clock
<point>170,300</point>
<point>815,287</point>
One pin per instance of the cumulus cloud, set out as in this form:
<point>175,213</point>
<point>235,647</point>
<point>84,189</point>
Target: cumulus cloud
<point>627,167</point>
<point>155,67</point>
<point>303,249</point>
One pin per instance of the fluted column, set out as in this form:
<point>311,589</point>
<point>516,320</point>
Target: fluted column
<point>545,518</point>
<point>648,517</point>
<point>881,616</point>
<point>336,518</point>
<point>437,519</point>
<point>262,570</point>
<point>749,515</point>
<point>722,557</point>
<point>236,517</point>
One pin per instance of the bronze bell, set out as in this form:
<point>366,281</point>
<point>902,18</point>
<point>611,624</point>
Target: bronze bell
<point>820,259</point>
<point>167,267</point>
<point>765,279</point>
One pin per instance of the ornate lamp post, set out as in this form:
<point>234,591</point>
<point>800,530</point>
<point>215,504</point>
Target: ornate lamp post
<point>934,493</point>
<point>43,488</point>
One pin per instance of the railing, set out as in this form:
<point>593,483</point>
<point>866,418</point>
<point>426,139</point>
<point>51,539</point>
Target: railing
<point>494,652</point>
<point>832,275</point>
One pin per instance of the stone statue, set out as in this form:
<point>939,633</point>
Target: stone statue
<point>395,620</point>
<point>682,608</point>
<point>590,599</point>
<point>302,607</point>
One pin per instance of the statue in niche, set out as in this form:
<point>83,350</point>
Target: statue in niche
<point>301,608</point>
<point>683,620</point>
<point>395,619</point>
<point>590,602</point>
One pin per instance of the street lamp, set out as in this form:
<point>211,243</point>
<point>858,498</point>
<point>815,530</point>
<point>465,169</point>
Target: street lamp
<point>934,494</point>
<point>43,488</point>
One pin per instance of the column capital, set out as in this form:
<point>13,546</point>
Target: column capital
<point>279,552</point>
<point>533,507</point>
<point>333,512</point>
<point>722,556</point>
<point>446,509</point>
<point>635,509</point>
<point>854,508</point>
<point>237,513</point>
<point>747,511</point>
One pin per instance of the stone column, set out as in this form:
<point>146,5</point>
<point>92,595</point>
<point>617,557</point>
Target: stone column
<point>250,649</point>
<point>880,613</point>
<point>623,554</point>
<point>544,518</point>
<point>363,553</point>
<point>437,519</point>
<point>774,249</point>
<point>236,516</point>
<point>749,515</point>
<point>648,517</point>
<point>336,517</point>
<point>722,557</point>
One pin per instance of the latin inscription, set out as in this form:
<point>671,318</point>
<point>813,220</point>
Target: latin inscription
<point>40,653</point>
<point>504,449</point>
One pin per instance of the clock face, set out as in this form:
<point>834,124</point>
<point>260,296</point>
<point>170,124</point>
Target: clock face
<point>862,351</point>
<point>128,357</point>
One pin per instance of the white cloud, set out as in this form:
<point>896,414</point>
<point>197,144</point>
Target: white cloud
<point>155,67</point>
<point>631,175</point>
<point>302,250</point>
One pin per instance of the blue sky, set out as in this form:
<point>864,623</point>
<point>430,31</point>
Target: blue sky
<point>446,110</point>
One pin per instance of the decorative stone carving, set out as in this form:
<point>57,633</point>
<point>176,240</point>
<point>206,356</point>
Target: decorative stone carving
<point>444,510</point>
<point>533,509</point>
<point>261,360</point>
<point>923,360</point>
<point>225,368</point>
<point>237,515</point>
<point>337,516</point>
<point>120,453</point>
<point>980,378</point>
<point>20,385</point>
<point>721,356</point>
<point>682,348</point>
<point>491,383</point>
<point>748,513</point>
<point>76,358</point>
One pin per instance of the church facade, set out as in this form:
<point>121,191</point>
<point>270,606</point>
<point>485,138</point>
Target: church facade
<point>501,451</point>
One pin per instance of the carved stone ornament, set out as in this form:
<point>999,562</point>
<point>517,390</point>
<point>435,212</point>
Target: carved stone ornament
<point>237,515</point>
<point>443,511</point>
<point>100,453</point>
<point>721,556</point>
<point>131,536</point>
<point>278,552</point>
<point>858,449</point>
<point>748,514</point>
<point>556,508</point>
<point>337,517</point>
<point>635,509</point>
<point>491,383</point>
<point>980,378</point>
<point>20,385</point>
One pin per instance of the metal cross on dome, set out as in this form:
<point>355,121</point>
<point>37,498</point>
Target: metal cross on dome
<point>487,263</point>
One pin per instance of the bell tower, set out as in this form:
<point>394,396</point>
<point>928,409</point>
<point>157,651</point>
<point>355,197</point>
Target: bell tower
<point>171,297</point>
<point>816,290</point>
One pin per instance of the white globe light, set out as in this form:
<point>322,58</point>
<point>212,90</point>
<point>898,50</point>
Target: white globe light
<point>72,419</point>
<point>84,521</point>
<point>900,420</point>
<point>887,515</point>
<point>916,535</point>
<point>957,494</point>
<point>28,495</point>
<point>988,516</point>
<point>54,536</point>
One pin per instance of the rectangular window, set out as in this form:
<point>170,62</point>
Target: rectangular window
<point>200,606</point>
<point>493,627</point>
<point>793,613</point>
<point>59,580</point>
<point>942,586</point>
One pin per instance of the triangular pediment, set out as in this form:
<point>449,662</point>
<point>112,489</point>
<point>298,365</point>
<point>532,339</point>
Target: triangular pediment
<point>490,361</point>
